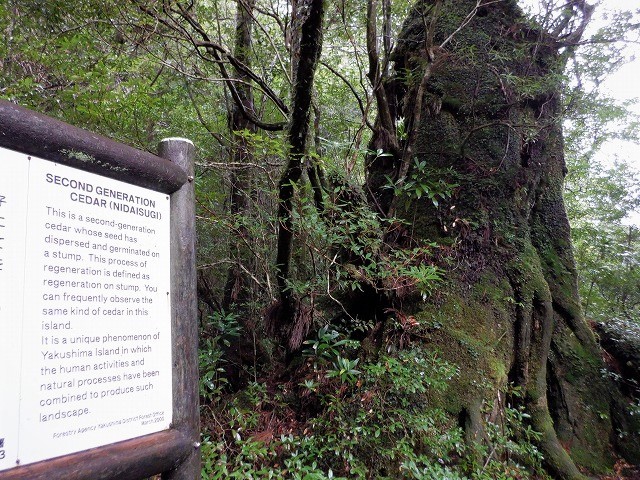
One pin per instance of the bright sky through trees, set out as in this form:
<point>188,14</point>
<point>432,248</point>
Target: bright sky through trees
<point>623,85</point>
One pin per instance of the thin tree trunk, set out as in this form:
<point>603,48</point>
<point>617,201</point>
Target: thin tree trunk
<point>237,289</point>
<point>306,48</point>
<point>236,286</point>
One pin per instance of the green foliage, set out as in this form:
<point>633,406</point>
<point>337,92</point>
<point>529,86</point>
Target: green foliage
<point>602,191</point>
<point>345,370</point>
<point>91,64</point>
<point>327,345</point>
<point>607,246</point>
<point>220,331</point>
<point>425,182</point>
<point>345,244</point>
<point>380,427</point>
<point>327,353</point>
<point>508,449</point>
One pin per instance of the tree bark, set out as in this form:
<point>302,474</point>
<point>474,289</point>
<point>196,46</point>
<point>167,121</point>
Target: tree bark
<point>512,312</point>
<point>306,47</point>
<point>237,283</point>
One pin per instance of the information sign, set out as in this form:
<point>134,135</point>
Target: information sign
<point>85,318</point>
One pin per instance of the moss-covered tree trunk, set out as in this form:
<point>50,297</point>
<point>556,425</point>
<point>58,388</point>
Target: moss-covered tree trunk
<point>491,124</point>
<point>287,323</point>
<point>238,285</point>
<point>240,125</point>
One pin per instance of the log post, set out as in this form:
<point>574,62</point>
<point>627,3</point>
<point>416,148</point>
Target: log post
<point>184,307</point>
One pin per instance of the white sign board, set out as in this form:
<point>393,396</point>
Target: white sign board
<point>85,319</point>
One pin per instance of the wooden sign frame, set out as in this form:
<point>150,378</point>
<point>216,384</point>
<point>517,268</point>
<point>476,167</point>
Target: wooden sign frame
<point>174,453</point>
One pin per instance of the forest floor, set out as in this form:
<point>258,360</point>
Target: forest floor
<point>624,471</point>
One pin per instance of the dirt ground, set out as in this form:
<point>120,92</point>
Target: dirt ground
<point>624,471</point>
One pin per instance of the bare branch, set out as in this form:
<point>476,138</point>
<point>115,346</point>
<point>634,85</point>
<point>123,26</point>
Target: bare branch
<point>218,53</point>
<point>348,84</point>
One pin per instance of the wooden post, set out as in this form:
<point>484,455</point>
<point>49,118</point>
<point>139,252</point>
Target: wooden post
<point>129,460</point>
<point>184,308</point>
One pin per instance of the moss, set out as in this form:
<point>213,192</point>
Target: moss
<point>469,337</point>
<point>526,269</point>
<point>499,370</point>
<point>86,158</point>
<point>467,332</point>
<point>583,454</point>
<point>452,104</point>
<point>581,360</point>
<point>516,275</point>
<point>583,423</point>
<point>557,459</point>
<point>490,290</point>
<point>563,286</point>
<point>76,155</point>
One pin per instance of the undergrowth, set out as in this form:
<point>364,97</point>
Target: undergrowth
<point>335,417</point>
